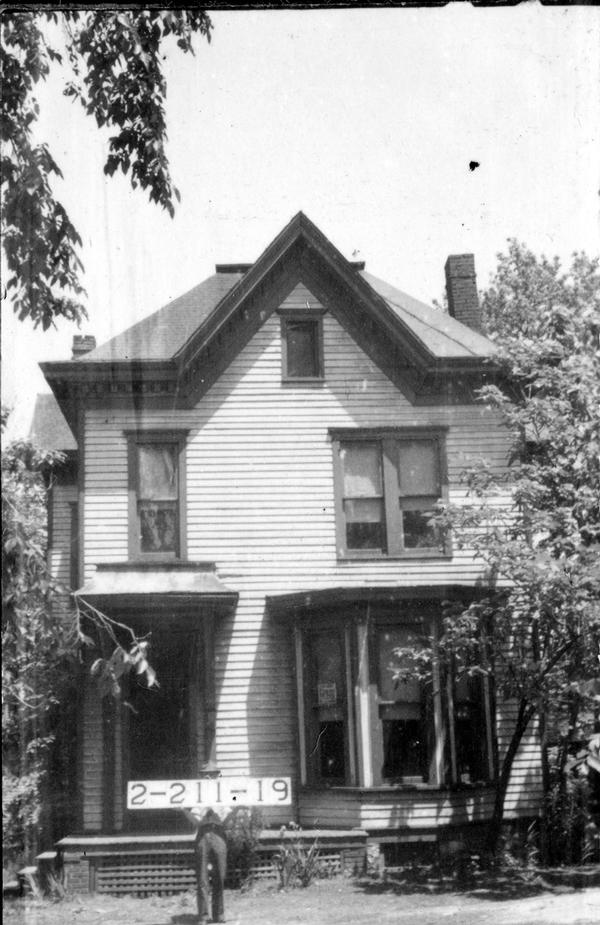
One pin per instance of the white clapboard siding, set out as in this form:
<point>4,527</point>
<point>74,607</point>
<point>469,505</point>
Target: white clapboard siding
<point>260,505</point>
<point>60,540</point>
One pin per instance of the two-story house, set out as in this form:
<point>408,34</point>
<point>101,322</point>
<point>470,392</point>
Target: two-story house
<point>255,469</point>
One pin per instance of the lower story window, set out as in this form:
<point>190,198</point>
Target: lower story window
<point>327,713</point>
<point>404,708</point>
<point>369,721</point>
<point>469,707</point>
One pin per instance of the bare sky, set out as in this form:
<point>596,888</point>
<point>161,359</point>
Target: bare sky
<point>364,119</point>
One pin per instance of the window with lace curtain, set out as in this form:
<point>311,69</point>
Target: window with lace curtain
<point>156,491</point>
<point>388,483</point>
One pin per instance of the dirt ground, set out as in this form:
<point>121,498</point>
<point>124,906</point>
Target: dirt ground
<point>326,902</point>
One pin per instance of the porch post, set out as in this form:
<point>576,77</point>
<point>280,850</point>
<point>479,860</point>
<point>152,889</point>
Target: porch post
<point>108,763</point>
<point>350,704</point>
<point>437,769</point>
<point>299,657</point>
<point>365,762</point>
<point>210,698</point>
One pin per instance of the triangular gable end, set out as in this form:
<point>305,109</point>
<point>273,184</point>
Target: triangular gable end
<point>301,256</point>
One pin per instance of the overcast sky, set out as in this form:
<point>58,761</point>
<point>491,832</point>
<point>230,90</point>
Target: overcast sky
<point>366,120</point>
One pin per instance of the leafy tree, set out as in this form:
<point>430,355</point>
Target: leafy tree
<point>36,649</point>
<point>536,523</point>
<point>115,60</point>
<point>41,656</point>
<point>544,547</point>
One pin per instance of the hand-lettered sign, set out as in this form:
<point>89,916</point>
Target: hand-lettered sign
<point>220,791</point>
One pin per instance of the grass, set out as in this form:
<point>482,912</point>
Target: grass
<point>340,901</point>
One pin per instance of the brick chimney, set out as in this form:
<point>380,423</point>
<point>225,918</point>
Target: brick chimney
<point>82,344</point>
<point>461,286</point>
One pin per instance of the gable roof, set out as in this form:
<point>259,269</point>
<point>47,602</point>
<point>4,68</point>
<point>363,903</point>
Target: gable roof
<point>49,429</point>
<point>177,353</point>
<point>443,334</point>
<point>163,334</point>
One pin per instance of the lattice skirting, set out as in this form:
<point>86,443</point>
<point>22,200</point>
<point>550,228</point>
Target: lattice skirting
<point>164,872</point>
<point>143,874</point>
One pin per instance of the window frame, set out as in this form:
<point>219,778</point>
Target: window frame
<point>388,438</point>
<point>314,316</point>
<point>363,717</point>
<point>136,438</point>
<point>316,713</point>
<point>430,718</point>
<point>486,709</point>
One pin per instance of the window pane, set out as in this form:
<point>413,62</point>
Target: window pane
<point>364,524</point>
<point>408,692</point>
<point>470,730</point>
<point>158,526</point>
<point>417,467</point>
<point>328,706</point>
<point>331,750</point>
<point>302,349</point>
<point>362,470</point>
<point>157,467</point>
<point>419,533</point>
<point>328,668</point>
<point>404,749</point>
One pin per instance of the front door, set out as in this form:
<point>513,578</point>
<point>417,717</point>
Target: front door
<point>160,722</point>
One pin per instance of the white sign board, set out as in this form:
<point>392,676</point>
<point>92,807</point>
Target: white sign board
<point>220,791</point>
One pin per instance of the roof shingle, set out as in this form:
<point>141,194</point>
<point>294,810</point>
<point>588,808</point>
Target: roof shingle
<point>162,334</point>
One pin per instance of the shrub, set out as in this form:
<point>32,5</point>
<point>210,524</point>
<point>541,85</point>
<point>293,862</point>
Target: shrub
<point>569,820</point>
<point>242,828</point>
<point>296,861</point>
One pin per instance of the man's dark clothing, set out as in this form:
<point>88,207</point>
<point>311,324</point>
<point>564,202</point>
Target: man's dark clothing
<point>211,848</point>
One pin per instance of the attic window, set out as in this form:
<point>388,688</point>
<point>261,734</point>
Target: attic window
<point>302,346</point>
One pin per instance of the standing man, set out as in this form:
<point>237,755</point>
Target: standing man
<point>210,849</point>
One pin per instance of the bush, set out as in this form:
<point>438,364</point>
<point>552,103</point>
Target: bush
<point>21,811</point>
<point>569,820</point>
<point>242,828</point>
<point>296,861</point>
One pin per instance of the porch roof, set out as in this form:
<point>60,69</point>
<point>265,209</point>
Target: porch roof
<point>154,585</point>
<point>297,603</point>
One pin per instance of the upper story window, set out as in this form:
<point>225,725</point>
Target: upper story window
<point>387,486</point>
<point>156,493</point>
<point>302,345</point>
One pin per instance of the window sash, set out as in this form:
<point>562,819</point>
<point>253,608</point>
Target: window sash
<point>469,708</point>
<point>302,345</point>
<point>327,709</point>
<point>363,497</point>
<point>407,725</point>
<point>158,525</point>
<point>401,532</point>
<point>302,348</point>
<point>157,471</point>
